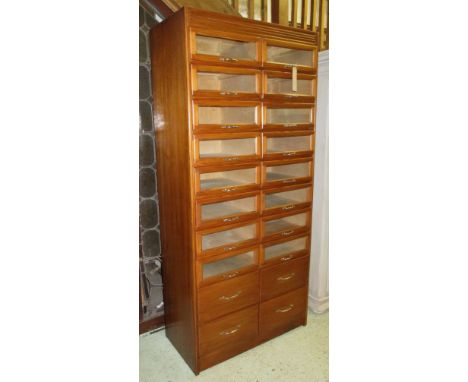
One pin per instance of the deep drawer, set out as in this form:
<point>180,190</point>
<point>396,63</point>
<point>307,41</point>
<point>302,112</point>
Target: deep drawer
<point>283,313</point>
<point>282,278</point>
<point>228,333</point>
<point>227,296</point>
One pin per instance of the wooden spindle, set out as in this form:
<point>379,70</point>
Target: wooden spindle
<point>265,10</point>
<point>305,12</point>
<point>294,13</point>
<point>236,5</point>
<point>251,8</point>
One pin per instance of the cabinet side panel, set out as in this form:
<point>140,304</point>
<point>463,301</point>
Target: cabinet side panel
<point>169,75</point>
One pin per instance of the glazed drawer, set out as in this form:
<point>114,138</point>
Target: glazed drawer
<point>283,313</point>
<point>286,225</point>
<point>227,238</point>
<point>279,86</point>
<point>227,148</point>
<point>278,145</point>
<point>230,332</point>
<point>286,55</point>
<point>281,116</point>
<point>216,211</point>
<point>282,278</point>
<point>280,173</point>
<point>286,199</point>
<point>232,83</point>
<point>227,296</point>
<point>282,250</point>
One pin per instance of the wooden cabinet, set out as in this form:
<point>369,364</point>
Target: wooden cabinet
<point>234,112</point>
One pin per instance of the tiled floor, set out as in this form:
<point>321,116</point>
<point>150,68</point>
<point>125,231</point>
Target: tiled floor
<point>300,355</point>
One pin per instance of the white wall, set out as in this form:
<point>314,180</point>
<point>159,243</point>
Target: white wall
<point>318,278</point>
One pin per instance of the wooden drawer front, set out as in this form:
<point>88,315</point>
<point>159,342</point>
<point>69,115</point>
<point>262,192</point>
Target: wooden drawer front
<point>282,278</point>
<point>224,181</point>
<point>280,173</point>
<point>229,332</point>
<point>286,199</point>
<point>280,116</point>
<point>280,86</point>
<point>215,212</point>
<point>231,83</point>
<point>227,239</point>
<point>286,225</point>
<point>283,313</point>
<point>284,56</point>
<point>227,266</point>
<point>227,296</point>
<point>280,251</point>
<point>224,116</point>
<point>224,48</point>
<point>278,145</point>
<point>227,148</point>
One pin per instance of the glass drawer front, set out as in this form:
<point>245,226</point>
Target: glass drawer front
<point>289,115</point>
<point>229,264</point>
<point>227,148</point>
<point>289,56</point>
<point>286,223</point>
<point>288,171</point>
<point>226,115</point>
<point>285,86</point>
<point>227,238</point>
<point>288,144</point>
<point>285,248</point>
<point>228,208</point>
<point>228,178</point>
<point>287,198</point>
<point>226,82</point>
<point>230,50</point>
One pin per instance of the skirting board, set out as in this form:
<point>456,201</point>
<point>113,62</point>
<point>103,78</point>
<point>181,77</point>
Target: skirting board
<point>318,305</point>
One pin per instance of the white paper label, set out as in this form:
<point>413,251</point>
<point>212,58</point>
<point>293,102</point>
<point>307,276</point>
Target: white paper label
<point>294,79</point>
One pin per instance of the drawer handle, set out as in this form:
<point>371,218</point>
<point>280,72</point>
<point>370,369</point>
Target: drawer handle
<point>228,59</point>
<point>228,189</point>
<point>285,309</point>
<point>291,95</point>
<point>290,125</point>
<point>289,180</point>
<point>233,219</point>
<point>231,331</point>
<point>288,66</point>
<point>231,159</point>
<point>229,248</point>
<point>228,93</point>
<point>287,233</point>
<point>229,298</point>
<point>230,127</point>
<point>230,275</point>
<point>286,258</point>
<point>286,277</point>
<point>288,207</point>
<point>289,154</point>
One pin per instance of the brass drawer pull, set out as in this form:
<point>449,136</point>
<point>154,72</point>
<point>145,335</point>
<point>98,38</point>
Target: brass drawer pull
<point>286,277</point>
<point>287,233</point>
<point>291,95</point>
<point>230,275</point>
<point>233,219</point>
<point>287,207</point>
<point>289,180</point>
<point>231,331</point>
<point>228,59</point>
<point>228,93</point>
<point>229,298</point>
<point>228,189</point>
<point>290,125</point>
<point>286,258</point>
<point>231,159</point>
<point>289,154</point>
<point>229,248</point>
<point>285,309</point>
<point>230,127</point>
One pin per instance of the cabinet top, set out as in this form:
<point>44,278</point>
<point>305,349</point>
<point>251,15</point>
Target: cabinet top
<point>201,19</point>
